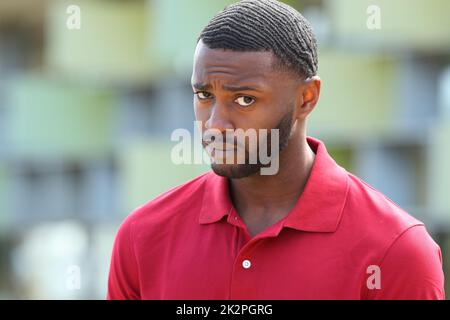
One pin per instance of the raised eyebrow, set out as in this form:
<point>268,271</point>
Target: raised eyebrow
<point>240,88</point>
<point>202,86</point>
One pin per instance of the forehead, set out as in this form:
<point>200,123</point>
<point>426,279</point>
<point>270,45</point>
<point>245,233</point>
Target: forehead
<point>234,65</point>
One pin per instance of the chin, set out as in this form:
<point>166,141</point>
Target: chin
<point>235,171</point>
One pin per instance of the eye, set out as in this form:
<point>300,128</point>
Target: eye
<point>202,95</point>
<point>245,101</point>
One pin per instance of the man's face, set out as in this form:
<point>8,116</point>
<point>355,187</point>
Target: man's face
<point>241,90</point>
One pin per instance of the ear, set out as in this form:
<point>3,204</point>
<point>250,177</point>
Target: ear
<point>309,92</point>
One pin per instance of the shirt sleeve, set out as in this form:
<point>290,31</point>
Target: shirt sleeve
<point>123,280</point>
<point>411,269</point>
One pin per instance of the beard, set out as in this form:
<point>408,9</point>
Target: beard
<point>238,171</point>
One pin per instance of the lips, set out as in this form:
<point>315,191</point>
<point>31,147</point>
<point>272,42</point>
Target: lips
<point>212,146</point>
<point>224,149</point>
<point>221,151</point>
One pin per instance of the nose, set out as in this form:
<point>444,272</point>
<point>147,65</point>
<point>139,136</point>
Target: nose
<point>219,118</point>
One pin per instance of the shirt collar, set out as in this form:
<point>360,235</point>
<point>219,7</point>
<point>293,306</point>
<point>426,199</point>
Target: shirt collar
<point>318,209</point>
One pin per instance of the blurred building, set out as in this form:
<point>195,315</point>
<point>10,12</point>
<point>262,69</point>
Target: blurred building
<point>86,116</point>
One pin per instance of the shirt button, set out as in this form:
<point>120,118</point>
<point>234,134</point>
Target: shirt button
<point>246,264</point>
<point>235,217</point>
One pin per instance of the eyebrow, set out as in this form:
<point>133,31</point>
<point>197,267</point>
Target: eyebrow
<point>202,86</point>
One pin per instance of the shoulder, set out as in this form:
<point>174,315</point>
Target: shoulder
<point>371,222</point>
<point>373,212</point>
<point>411,268</point>
<point>176,202</point>
<point>387,236</point>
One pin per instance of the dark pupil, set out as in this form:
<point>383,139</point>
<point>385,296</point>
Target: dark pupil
<point>247,99</point>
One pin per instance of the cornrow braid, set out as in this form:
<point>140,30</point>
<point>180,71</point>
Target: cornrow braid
<point>265,25</point>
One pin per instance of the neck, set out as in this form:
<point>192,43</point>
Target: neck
<point>271,197</point>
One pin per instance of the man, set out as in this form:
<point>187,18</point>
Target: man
<point>309,231</point>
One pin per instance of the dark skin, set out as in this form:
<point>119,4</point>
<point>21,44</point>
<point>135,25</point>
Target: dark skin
<point>270,94</point>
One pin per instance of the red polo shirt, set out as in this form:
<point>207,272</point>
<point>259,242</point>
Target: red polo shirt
<point>342,240</point>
